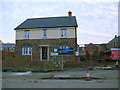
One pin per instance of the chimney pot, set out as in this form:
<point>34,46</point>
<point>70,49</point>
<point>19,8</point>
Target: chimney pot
<point>115,36</point>
<point>69,13</point>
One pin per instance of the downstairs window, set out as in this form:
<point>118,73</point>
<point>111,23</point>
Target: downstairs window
<point>26,50</point>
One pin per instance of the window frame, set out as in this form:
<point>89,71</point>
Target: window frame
<point>63,33</point>
<point>11,49</point>
<point>44,33</point>
<point>27,34</point>
<point>26,50</point>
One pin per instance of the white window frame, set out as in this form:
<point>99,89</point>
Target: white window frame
<point>63,33</point>
<point>27,34</point>
<point>11,49</point>
<point>26,50</point>
<point>44,33</point>
<point>63,47</point>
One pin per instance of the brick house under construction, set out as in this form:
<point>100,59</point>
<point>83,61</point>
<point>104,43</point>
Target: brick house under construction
<point>39,39</point>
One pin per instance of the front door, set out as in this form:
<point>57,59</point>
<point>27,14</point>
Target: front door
<point>44,53</point>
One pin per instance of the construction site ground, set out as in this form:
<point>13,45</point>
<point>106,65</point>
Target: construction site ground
<point>87,63</point>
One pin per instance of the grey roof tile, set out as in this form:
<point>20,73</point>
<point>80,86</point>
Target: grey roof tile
<point>8,44</point>
<point>49,22</point>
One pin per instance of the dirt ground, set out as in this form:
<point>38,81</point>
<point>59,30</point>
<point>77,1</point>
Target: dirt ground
<point>32,80</point>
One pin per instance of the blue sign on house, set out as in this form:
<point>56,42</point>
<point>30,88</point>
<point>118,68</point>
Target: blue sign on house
<point>65,51</point>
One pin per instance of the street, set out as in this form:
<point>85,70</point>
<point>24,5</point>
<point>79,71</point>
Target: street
<point>32,80</point>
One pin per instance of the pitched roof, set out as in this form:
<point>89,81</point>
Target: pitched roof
<point>92,44</point>
<point>49,22</point>
<point>116,39</point>
<point>8,44</point>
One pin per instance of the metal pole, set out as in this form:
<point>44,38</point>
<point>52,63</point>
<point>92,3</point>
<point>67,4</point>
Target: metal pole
<point>62,62</point>
<point>31,54</point>
<point>6,57</point>
<point>91,56</point>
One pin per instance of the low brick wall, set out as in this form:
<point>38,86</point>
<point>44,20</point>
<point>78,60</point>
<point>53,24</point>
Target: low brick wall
<point>26,62</point>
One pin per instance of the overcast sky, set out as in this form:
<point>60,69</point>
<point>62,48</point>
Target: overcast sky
<point>97,19</point>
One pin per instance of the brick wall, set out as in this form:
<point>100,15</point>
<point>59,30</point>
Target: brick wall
<point>35,62</point>
<point>94,51</point>
<point>101,48</point>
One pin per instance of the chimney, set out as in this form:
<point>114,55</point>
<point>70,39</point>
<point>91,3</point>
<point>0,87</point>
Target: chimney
<point>115,36</point>
<point>69,13</point>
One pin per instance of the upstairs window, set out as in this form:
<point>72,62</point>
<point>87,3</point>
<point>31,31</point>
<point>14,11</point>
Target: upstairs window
<point>44,33</point>
<point>26,34</point>
<point>63,33</point>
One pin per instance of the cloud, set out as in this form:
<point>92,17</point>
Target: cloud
<point>82,7</point>
<point>40,10</point>
<point>35,16</point>
<point>98,11</point>
<point>101,26</point>
<point>1,13</point>
<point>106,10</point>
<point>88,1</point>
<point>24,5</point>
<point>17,12</point>
<point>15,16</point>
<point>91,32</point>
<point>115,26</point>
<point>114,13</point>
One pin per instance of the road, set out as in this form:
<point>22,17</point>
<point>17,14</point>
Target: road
<point>32,80</point>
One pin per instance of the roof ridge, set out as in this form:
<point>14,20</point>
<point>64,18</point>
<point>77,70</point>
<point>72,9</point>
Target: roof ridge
<point>51,17</point>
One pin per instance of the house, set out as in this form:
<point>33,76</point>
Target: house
<point>102,47</point>
<point>114,43</point>
<point>82,53</point>
<point>7,49</point>
<point>1,45</point>
<point>91,51</point>
<point>0,51</point>
<point>42,39</point>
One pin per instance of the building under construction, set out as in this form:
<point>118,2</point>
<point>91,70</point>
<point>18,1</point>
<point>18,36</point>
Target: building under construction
<point>44,43</point>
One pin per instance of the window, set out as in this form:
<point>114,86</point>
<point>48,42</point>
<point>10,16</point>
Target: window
<point>54,50</point>
<point>26,34</point>
<point>114,45</point>
<point>44,33</point>
<point>64,47</point>
<point>67,47</point>
<point>60,47</point>
<point>63,33</point>
<point>1,48</point>
<point>11,49</point>
<point>26,50</point>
